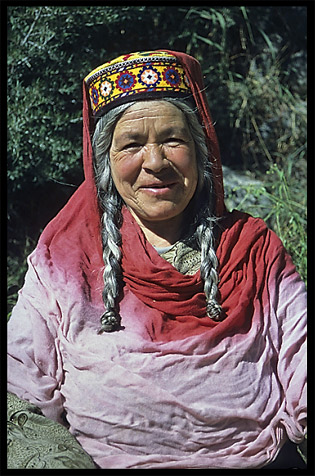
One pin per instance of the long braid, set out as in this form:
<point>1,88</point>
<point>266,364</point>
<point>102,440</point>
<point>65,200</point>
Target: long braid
<point>204,219</point>
<point>111,238</point>
<point>111,204</point>
<point>208,270</point>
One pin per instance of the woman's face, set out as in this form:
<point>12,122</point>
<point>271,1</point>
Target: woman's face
<point>153,161</point>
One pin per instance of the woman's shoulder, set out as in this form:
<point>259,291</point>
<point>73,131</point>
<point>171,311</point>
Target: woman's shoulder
<point>237,223</point>
<point>240,232</point>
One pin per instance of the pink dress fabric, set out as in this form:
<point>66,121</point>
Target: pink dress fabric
<point>173,389</point>
<point>150,397</point>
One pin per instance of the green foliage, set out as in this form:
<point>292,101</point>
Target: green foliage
<point>281,202</point>
<point>256,59</point>
<point>302,449</point>
<point>253,60</point>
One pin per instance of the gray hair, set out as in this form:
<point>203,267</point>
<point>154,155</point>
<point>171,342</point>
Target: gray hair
<point>202,211</point>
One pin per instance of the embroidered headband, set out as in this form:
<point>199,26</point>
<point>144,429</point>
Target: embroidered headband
<point>155,73</point>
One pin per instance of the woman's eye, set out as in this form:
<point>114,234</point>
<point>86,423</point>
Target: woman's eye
<point>132,145</point>
<point>173,141</point>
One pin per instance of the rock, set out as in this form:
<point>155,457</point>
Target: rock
<point>244,193</point>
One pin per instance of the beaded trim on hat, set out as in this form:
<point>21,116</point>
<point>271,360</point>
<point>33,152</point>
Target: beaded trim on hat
<point>152,73</point>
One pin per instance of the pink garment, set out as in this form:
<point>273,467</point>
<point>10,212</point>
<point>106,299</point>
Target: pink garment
<point>140,399</point>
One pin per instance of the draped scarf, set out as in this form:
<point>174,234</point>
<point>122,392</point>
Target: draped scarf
<point>247,252</point>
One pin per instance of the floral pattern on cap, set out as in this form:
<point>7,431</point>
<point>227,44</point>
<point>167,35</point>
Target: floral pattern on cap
<point>149,76</point>
<point>106,88</point>
<point>172,77</point>
<point>125,81</point>
<point>133,74</point>
<point>94,96</point>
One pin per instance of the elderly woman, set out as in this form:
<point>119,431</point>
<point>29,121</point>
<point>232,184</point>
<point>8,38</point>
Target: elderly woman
<point>161,330</point>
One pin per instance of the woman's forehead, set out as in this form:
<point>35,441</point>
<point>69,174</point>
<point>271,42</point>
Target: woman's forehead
<point>145,113</point>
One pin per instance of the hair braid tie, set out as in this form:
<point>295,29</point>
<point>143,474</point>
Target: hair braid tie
<point>110,322</point>
<point>214,311</point>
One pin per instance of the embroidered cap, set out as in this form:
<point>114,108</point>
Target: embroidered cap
<point>155,73</point>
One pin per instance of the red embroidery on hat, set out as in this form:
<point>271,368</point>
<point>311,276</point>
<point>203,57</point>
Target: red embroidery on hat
<point>125,81</point>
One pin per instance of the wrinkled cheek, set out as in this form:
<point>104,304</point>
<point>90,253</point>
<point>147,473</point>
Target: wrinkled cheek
<point>126,191</point>
<point>125,174</point>
<point>185,162</point>
<point>126,171</point>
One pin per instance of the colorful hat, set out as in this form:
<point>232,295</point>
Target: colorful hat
<point>155,73</point>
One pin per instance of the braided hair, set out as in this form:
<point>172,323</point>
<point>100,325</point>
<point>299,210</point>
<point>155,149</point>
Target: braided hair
<point>202,211</point>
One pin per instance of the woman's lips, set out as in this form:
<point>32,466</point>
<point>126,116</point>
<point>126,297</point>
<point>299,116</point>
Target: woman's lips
<point>157,188</point>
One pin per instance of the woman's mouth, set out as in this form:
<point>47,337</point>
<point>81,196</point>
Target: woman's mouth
<point>157,188</point>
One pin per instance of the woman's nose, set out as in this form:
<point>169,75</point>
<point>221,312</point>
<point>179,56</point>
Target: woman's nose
<point>154,158</point>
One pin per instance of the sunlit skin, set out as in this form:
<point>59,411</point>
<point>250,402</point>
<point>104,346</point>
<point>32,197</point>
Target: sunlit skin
<point>154,168</point>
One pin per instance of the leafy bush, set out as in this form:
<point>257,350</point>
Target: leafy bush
<point>254,64</point>
<point>282,204</point>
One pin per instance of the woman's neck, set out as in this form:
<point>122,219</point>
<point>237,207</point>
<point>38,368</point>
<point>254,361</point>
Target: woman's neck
<point>161,233</point>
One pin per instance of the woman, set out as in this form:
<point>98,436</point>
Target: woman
<point>163,331</point>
